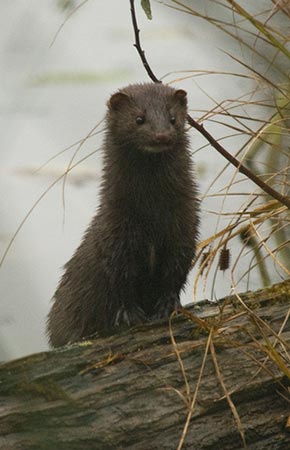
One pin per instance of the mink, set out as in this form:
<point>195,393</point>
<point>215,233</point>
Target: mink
<point>135,256</point>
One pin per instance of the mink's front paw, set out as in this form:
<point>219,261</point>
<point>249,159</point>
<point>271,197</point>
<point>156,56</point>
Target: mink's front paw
<point>166,305</point>
<point>129,317</point>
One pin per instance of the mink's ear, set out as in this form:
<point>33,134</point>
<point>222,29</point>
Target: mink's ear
<point>181,96</point>
<point>118,100</point>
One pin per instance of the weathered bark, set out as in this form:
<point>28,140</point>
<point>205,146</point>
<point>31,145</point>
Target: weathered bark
<point>125,391</point>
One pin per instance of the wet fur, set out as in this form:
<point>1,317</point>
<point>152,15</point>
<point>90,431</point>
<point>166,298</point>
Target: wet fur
<point>135,256</point>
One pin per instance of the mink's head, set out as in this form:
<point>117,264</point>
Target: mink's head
<point>147,117</point>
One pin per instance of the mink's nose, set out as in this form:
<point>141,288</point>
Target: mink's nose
<point>162,138</point>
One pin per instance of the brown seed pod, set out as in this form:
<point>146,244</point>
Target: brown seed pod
<point>224,259</point>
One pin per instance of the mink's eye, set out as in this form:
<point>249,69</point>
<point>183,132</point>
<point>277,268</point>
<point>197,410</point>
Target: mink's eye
<point>172,120</point>
<point>140,120</point>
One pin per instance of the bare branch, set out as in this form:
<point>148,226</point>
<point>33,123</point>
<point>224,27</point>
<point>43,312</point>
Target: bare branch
<point>138,47</point>
<point>241,168</point>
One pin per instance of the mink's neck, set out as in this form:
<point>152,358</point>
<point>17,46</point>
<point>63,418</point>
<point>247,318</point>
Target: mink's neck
<point>132,177</point>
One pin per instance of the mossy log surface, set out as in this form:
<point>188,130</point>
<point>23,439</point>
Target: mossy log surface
<point>129,391</point>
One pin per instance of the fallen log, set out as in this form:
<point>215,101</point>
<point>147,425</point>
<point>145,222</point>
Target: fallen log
<point>215,377</point>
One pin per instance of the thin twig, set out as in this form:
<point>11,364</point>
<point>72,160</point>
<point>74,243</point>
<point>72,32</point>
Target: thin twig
<point>138,47</point>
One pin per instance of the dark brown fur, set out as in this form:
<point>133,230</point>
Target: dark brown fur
<point>136,254</point>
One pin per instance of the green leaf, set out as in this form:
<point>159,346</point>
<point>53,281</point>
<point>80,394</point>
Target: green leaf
<point>147,8</point>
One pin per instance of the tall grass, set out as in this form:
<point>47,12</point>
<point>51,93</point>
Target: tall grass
<point>261,118</point>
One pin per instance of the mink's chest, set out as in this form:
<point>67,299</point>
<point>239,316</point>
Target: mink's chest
<point>154,239</point>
